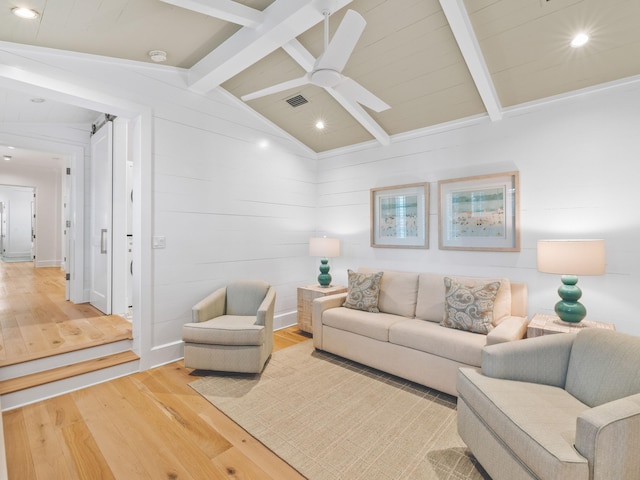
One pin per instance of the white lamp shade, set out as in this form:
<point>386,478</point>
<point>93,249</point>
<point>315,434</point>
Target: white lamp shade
<point>571,257</point>
<point>324,247</point>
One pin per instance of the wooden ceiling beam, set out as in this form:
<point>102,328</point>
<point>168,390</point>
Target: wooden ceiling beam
<point>463,32</point>
<point>227,10</point>
<point>282,21</point>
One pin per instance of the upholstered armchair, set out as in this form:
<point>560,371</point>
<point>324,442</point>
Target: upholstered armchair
<point>564,406</point>
<point>232,329</point>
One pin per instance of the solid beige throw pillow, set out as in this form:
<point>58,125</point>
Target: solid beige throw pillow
<point>364,290</point>
<point>469,307</point>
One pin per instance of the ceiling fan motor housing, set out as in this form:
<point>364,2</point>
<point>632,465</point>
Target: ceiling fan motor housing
<point>326,78</point>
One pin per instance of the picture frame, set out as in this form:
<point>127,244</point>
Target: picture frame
<point>399,216</point>
<point>480,213</point>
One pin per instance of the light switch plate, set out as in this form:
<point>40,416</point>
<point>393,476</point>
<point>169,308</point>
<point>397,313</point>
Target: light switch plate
<point>159,241</point>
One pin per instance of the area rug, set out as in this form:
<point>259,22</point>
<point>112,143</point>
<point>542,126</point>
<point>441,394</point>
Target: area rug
<point>330,418</point>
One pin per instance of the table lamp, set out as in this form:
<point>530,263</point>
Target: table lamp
<point>324,247</point>
<point>571,258</point>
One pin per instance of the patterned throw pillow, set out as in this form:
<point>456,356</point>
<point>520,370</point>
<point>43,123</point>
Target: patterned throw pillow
<point>469,307</point>
<point>364,289</point>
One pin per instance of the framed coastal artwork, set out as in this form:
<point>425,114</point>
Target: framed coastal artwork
<point>399,216</point>
<point>480,213</point>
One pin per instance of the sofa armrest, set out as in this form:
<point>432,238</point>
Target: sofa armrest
<point>608,437</point>
<point>508,330</point>
<point>537,360</point>
<point>210,307</point>
<point>319,306</point>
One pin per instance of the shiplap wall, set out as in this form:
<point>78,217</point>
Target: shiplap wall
<point>228,209</point>
<point>579,164</point>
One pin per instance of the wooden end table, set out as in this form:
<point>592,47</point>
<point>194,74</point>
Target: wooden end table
<point>547,324</point>
<point>306,295</point>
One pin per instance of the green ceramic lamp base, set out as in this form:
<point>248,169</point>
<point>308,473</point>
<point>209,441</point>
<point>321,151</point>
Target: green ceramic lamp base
<point>569,309</point>
<point>324,279</point>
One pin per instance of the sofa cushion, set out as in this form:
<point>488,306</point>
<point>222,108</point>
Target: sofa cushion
<point>537,422</point>
<point>375,326</point>
<point>363,291</point>
<point>431,292</point>
<point>469,307</point>
<point>398,292</point>
<point>611,360</point>
<point>430,337</point>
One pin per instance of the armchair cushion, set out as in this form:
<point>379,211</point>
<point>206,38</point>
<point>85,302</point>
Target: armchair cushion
<point>225,330</point>
<point>537,422</point>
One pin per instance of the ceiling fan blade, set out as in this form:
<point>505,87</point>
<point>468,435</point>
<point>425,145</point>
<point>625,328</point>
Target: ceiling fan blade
<point>343,42</point>
<point>280,87</point>
<point>353,90</point>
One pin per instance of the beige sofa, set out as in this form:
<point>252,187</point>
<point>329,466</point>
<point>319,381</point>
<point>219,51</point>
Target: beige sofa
<point>405,338</point>
<point>563,407</point>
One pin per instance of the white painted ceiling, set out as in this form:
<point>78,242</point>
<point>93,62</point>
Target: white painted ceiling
<point>432,61</point>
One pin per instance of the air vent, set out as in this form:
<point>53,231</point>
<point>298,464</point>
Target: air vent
<point>297,101</point>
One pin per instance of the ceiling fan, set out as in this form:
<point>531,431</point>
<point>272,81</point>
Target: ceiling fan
<point>327,69</point>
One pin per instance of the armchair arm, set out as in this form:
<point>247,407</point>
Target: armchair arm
<point>264,316</point>
<point>608,437</point>
<point>210,307</point>
<point>320,305</point>
<point>537,360</point>
<point>508,330</point>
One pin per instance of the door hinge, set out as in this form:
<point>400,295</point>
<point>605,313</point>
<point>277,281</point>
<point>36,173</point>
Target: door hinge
<point>67,276</point>
<point>68,171</point>
<point>68,223</point>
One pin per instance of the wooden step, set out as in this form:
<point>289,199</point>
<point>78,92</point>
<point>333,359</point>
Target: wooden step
<point>14,360</point>
<point>28,381</point>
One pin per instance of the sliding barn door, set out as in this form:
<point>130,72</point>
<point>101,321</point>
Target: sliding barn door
<point>101,220</point>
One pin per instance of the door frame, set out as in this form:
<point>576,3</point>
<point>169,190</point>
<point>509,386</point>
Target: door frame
<point>141,118</point>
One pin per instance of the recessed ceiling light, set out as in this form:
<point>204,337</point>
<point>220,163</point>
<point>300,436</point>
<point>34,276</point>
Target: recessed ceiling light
<point>579,40</point>
<point>27,13</point>
<point>158,55</point>
<point>320,125</point>
<point>263,143</point>
<point>10,147</point>
<point>7,158</point>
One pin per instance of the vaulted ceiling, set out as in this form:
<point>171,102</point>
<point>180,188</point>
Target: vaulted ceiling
<point>431,61</point>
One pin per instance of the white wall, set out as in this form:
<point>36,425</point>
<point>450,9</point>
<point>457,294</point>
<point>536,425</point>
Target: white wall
<point>227,208</point>
<point>47,183</point>
<point>579,168</point>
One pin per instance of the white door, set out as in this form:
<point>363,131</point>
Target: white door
<point>33,229</point>
<point>101,220</point>
<point>2,228</point>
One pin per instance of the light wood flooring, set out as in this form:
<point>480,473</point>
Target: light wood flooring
<point>36,321</point>
<point>149,425</point>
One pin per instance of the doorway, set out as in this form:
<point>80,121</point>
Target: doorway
<point>17,223</point>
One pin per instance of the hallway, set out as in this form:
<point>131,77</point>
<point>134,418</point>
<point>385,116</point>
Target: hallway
<point>36,321</point>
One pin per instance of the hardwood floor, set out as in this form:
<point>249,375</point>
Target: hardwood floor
<point>149,425</point>
<point>36,321</point>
